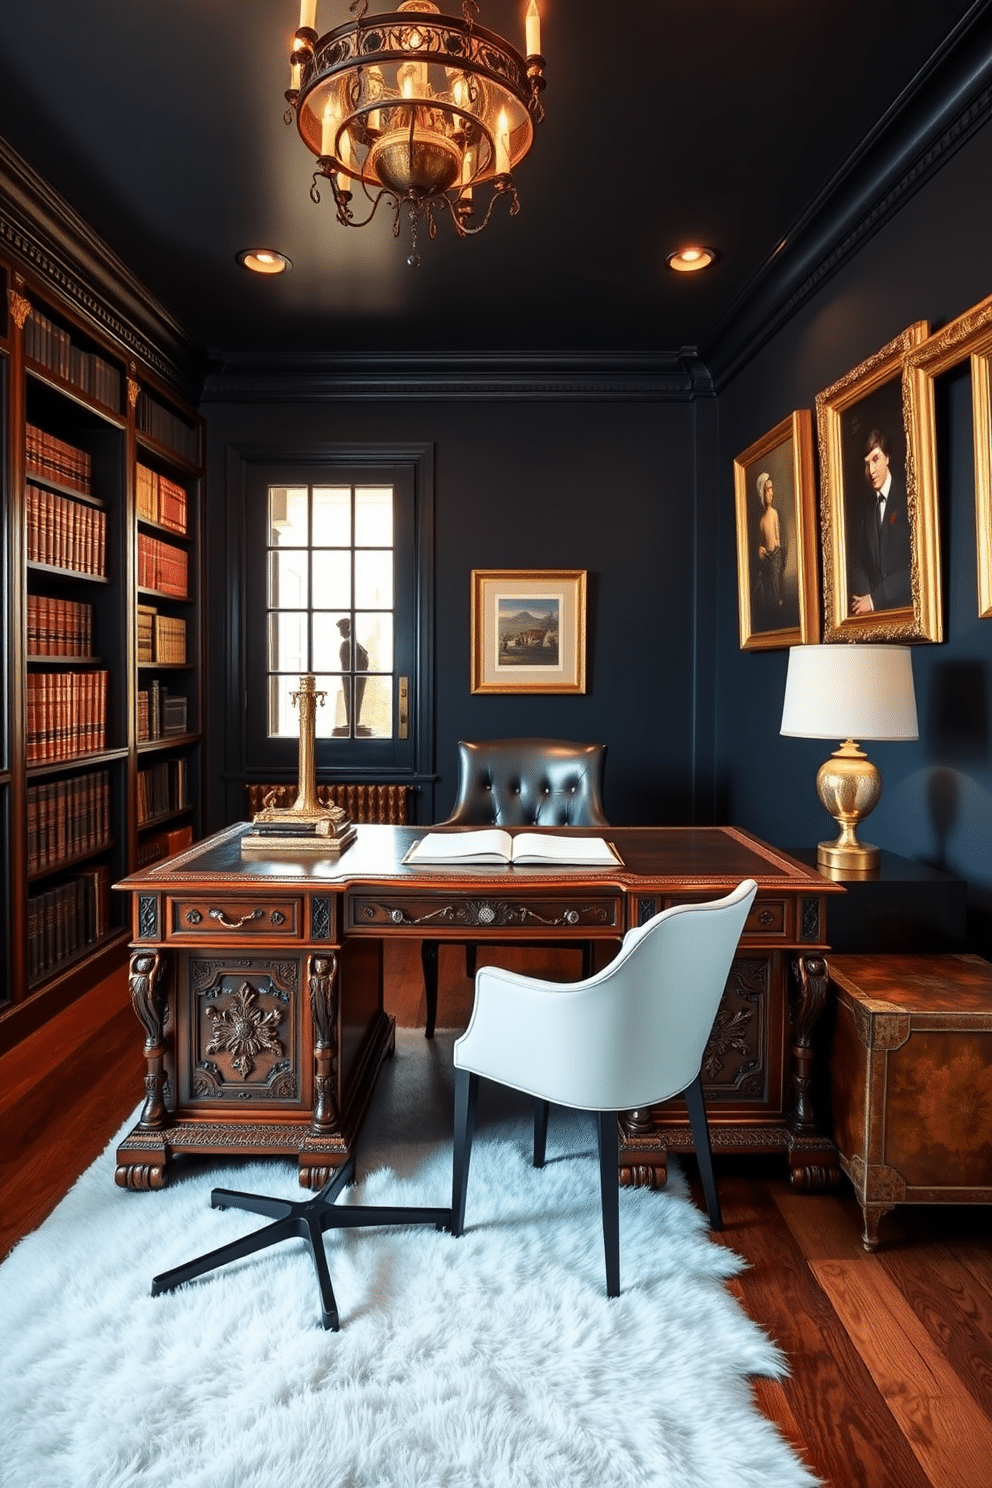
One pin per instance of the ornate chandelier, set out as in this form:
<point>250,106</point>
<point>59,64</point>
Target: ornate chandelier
<point>417,107</point>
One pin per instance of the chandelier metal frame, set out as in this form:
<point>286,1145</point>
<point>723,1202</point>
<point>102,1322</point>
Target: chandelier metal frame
<point>425,150</point>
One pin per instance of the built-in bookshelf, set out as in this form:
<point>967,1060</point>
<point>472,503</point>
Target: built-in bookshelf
<point>166,628</point>
<point>101,712</point>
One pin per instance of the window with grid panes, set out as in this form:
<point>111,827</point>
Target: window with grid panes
<point>331,607</point>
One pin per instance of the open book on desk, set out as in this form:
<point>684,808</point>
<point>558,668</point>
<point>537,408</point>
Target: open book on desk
<point>493,845</point>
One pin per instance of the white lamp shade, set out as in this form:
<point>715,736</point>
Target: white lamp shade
<point>850,692</point>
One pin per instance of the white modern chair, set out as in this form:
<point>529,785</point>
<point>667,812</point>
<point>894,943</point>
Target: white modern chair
<point>630,1036</point>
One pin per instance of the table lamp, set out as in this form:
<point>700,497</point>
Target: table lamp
<point>849,692</point>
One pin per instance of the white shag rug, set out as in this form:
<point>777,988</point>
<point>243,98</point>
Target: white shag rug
<point>491,1361</point>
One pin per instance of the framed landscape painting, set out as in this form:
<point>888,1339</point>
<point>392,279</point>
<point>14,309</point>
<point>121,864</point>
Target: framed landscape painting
<point>777,564</point>
<point>528,630</point>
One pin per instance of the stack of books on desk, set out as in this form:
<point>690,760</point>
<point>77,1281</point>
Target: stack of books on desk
<point>284,834</point>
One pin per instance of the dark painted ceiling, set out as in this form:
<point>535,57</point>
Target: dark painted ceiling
<point>718,120</point>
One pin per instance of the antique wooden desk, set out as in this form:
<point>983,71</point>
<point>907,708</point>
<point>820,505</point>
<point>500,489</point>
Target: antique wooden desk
<point>258,981</point>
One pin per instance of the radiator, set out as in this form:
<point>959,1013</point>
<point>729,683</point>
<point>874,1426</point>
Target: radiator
<point>361,803</point>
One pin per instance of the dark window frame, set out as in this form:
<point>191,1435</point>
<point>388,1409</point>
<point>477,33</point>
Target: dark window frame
<point>248,759</point>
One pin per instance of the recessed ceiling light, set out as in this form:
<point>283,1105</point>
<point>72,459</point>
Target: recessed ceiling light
<point>264,261</point>
<point>691,260</point>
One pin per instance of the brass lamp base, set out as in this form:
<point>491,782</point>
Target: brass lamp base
<point>306,826</point>
<point>849,787</point>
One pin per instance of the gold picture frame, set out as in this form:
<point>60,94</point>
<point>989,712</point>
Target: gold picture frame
<point>968,338</point>
<point>774,498</point>
<point>881,574</point>
<point>528,630</point>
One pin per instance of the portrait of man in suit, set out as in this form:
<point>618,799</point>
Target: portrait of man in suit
<point>879,550</point>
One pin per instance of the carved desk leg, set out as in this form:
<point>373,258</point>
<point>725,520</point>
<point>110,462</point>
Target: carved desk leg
<point>637,1129</point>
<point>148,1001</point>
<point>147,987</point>
<point>322,974</point>
<point>813,1158</point>
<point>322,977</point>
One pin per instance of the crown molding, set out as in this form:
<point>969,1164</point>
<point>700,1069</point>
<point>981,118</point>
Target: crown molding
<point>47,239</point>
<point>665,377</point>
<point>947,102</point>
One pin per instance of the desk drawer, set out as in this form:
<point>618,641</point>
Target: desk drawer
<point>769,919</point>
<point>218,916</point>
<point>430,914</point>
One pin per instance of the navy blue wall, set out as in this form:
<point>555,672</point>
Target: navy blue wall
<point>641,495</point>
<point>606,487</point>
<point>931,262</point>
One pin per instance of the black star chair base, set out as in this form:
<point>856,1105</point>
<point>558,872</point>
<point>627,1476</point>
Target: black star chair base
<point>303,1219</point>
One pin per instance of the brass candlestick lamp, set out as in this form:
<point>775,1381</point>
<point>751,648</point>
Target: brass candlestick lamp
<point>306,826</point>
<point>849,692</point>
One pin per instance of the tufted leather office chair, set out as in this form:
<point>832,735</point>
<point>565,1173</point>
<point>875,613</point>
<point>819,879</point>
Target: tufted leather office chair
<point>521,783</point>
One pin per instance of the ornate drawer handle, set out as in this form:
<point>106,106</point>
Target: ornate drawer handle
<point>218,914</point>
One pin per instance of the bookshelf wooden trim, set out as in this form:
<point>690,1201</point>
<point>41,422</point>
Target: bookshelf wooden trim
<point>163,817</point>
<point>165,453</point>
<point>66,573</point>
<point>59,659</point>
<point>168,741</point>
<point>36,875</point>
<point>170,532</point>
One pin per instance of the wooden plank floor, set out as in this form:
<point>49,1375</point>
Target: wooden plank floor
<point>890,1354</point>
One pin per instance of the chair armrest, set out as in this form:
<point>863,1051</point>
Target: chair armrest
<point>524,1032</point>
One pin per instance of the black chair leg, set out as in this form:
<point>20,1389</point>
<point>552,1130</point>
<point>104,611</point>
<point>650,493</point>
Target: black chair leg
<point>609,1182</point>
<point>428,960</point>
<point>541,1109</point>
<point>466,1102</point>
<point>704,1156</point>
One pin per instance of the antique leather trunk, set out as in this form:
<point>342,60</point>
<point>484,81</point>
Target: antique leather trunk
<point>911,1076</point>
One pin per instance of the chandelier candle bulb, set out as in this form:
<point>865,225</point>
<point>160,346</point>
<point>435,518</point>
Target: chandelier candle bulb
<point>308,15</point>
<point>533,30</point>
<point>294,76</point>
<point>502,144</point>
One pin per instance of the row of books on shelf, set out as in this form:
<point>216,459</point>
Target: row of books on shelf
<point>162,787</point>
<point>161,638</point>
<point>65,533</point>
<point>52,346</point>
<point>161,500</point>
<point>56,460</point>
<point>159,845</point>
<point>162,567</point>
<point>156,420</point>
<point>66,919</point>
<point>59,627</point>
<point>67,714</point>
<point>160,713</point>
<point>66,818</point>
